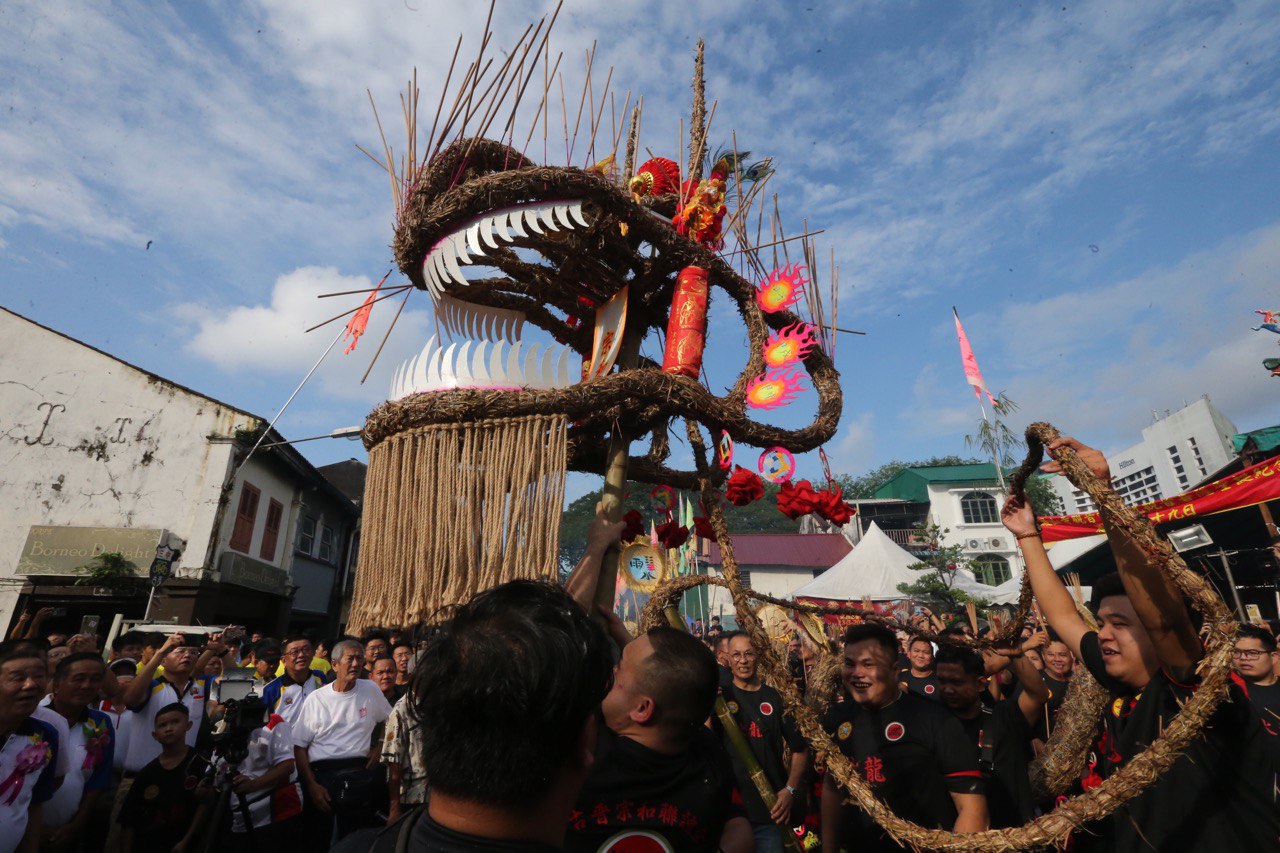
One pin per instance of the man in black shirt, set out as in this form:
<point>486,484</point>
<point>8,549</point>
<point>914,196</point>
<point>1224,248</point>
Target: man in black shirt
<point>910,750</point>
<point>1255,659</point>
<point>918,676</point>
<point>758,709</point>
<point>1058,666</point>
<point>1219,794</point>
<point>1001,733</point>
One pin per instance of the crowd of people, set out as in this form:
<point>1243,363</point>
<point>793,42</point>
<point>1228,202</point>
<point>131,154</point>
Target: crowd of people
<point>530,719</point>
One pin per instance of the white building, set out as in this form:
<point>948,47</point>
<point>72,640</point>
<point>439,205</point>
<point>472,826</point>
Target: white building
<point>1177,451</point>
<point>101,456</point>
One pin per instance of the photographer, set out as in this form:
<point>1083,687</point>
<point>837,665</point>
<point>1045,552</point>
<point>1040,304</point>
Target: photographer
<point>266,784</point>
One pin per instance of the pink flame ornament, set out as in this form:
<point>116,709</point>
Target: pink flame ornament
<point>773,389</point>
<point>726,451</point>
<point>789,345</point>
<point>781,288</point>
<point>777,465</point>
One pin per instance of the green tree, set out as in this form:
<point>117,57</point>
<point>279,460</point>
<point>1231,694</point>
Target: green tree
<point>998,442</point>
<point>110,569</point>
<point>936,584</point>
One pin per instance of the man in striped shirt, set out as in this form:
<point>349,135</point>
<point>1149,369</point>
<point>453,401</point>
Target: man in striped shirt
<point>284,694</point>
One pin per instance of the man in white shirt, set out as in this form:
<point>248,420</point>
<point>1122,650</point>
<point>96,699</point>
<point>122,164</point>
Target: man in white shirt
<point>28,749</point>
<point>336,745</point>
<point>269,786</point>
<point>89,748</point>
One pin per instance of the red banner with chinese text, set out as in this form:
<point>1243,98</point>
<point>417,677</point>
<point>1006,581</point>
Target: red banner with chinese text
<point>1251,486</point>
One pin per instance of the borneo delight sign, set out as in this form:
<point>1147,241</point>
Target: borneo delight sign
<point>1248,487</point>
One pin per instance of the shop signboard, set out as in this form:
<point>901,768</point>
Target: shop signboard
<point>55,550</point>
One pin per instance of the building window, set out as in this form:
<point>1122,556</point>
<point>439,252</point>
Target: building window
<point>992,569</point>
<point>1195,452</point>
<point>307,535</point>
<point>979,508</point>
<point>271,532</point>
<point>246,515</point>
<point>326,543</point>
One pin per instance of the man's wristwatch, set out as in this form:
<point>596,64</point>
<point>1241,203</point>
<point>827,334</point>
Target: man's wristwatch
<point>791,789</point>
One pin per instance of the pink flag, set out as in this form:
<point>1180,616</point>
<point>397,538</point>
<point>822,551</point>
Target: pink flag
<point>971,371</point>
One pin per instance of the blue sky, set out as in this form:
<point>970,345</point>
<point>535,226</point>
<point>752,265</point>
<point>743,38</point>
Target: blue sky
<point>1091,185</point>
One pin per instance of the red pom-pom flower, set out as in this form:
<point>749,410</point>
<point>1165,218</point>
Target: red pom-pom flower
<point>743,487</point>
<point>672,535</point>
<point>797,499</point>
<point>702,527</point>
<point>831,506</point>
<point>635,525</point>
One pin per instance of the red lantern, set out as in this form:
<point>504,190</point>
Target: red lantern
<point>687,325</point>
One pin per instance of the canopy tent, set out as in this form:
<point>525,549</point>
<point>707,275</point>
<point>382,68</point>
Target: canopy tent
<point>1006,593</point>
<point>873,569</point>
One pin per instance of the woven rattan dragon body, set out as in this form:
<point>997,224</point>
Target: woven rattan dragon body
<point>497,242</point>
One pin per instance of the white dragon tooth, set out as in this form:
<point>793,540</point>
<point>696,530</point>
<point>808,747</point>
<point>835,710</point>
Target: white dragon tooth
<point>451,265</point>
<point>429,275</point>
<point>575,210</point>
<point>459,243</point>
<point>476,370</point>
<point>502,226</point>
<point>563,377</point>
<point>419,379</point>
<point>448,378</point>
<point>549,367</point>
<point>562,214</point>
<point>487,227</point>
<point>437,266</point>
<point>511,376</point>
<point>434,380</point>
<point>462,367</point>
<point>516,222</point>
<point>530,369</point>
<point>395,384</point>
<point>496,376</point>
<point>531,219</point>
<point>547,215</point>
<point>473,240</point>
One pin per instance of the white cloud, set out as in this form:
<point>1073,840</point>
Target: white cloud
<point>855,448</point>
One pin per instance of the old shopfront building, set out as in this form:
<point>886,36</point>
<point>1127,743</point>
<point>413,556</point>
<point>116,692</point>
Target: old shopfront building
<point>97,455</point>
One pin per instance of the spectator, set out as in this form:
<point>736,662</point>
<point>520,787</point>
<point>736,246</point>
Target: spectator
<point>127,645</point>
<point>918,675</point>
<point>1002,734</point>
<point>90,749</point>
<point>402,654</point>
<point>404,754</point>
<point>335,747</point>
<point>163,810</point>
<point>28,748</point>
<point>1058,666</point>
<point>384,676</point>
<point>758,708</point>
<point>284,695</point>
<point>213,669</point>
<point>147,693</point>
<point>720,647</point>
<point>1218,794</point>
<point>266,787</point>
<point>1256,667</point>
<point>40,648</point>
<point>913,754</point>
<point>267,659</point>
<point>376,645</point>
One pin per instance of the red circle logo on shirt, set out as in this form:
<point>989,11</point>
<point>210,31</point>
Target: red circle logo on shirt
<point>928,688</point>
<point>894,731</point>
<point>636,841</point>
<point>766,708</point>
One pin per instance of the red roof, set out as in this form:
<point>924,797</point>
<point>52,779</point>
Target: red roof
<point>785,549</point>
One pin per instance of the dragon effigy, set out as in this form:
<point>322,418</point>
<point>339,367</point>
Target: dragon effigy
<point>468,454</point>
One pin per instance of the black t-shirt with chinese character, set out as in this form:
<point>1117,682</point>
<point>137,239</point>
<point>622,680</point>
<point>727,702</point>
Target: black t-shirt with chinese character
<point>1218,795</point>
<point>926,685</point>
<point>1002,737</point>
<point>759,716</point>
<point>162,803</point>
<point>685,798</point>
<point>1266,699</point>
<point>914,754</point>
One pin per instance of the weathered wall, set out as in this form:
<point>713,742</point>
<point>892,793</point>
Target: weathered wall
<point>86,440</point>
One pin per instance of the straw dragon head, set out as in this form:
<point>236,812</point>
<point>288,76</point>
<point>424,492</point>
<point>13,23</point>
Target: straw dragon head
<point>499,242</point>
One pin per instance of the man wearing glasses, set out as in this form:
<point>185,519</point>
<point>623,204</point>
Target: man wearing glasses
<point>284,694</point>
<point>1255,662</point>
<point>757,707</point>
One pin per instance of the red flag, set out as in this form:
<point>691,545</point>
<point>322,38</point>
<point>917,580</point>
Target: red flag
<point>971,371</point>
<point>360,320</point>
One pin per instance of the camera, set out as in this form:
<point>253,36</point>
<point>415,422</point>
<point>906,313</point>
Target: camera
<point>244,713</point>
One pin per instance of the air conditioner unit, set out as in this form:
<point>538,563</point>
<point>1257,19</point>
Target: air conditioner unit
<point>996,543</point>
<point>974,544</point>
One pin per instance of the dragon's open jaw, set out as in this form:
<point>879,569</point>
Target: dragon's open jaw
<point>493,357</point>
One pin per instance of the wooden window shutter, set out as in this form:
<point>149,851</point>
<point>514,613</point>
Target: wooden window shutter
<point>275,511</point>
<point>246,515</point>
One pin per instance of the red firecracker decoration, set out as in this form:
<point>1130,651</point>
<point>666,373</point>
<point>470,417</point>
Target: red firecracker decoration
<point>687,325</point>
<point>743,487</point>
<point>797,499</point>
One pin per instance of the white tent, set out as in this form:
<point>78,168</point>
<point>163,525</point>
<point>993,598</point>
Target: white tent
<point>873,569</point>
<point>1006,593</point>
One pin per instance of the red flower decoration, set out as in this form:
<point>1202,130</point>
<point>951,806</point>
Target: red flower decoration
<point>832,507</point>
<point>702,527</point>
<point>672,535</point>
<point>797,499</point>
<point>635,525</point>
<point>743,487</point>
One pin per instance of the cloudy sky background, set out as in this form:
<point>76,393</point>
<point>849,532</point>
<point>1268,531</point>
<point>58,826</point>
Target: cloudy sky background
<point>1092,186</point>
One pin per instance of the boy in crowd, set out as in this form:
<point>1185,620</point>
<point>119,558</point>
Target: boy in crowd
<point>1219,794</point>
<point>918,676</point>
<point>1001,733</point>
<point>90,749</point>
<point>266,659</point>
<point>376,645</point>
<point>163,812</point>
<point>127,646</point>
<point>910,750</point>
<point>758,708</point>
<point>402,654</point>
<point>28,748</point>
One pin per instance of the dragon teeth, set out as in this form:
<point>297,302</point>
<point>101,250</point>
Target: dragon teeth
<point>483,364</point>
